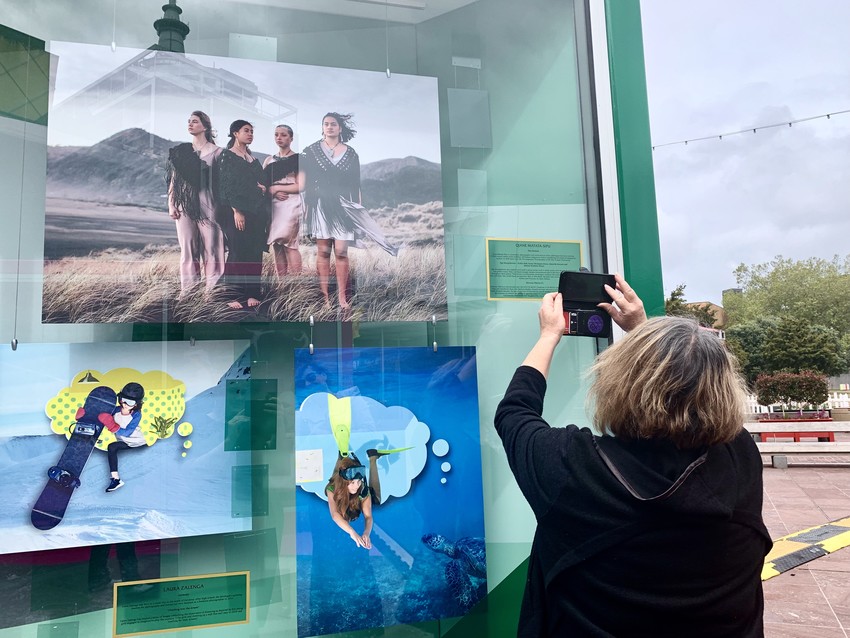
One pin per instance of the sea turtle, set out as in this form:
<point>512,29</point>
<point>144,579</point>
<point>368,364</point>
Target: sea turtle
<point>467,570</point>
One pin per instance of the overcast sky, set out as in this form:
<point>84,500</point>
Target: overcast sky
<point>725,65</point>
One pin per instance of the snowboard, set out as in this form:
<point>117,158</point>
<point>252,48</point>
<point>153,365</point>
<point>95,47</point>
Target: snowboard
<point>64,477</point>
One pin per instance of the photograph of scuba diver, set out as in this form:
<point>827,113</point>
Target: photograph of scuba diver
<point>378,468</point>
<point>350,491</point>
<point>350,494</point>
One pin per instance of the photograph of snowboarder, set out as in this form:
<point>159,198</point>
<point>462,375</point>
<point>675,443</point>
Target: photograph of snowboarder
<point>124,422</point>
<point>384,440</point>
<point>333,208</point>
<point>64,477</point>
<point>68,414</point>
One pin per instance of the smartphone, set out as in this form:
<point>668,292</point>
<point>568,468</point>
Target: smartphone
<point>585,288</point>
<point>581,292</point>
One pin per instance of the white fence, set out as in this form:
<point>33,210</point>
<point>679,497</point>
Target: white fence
<point>837,399</point>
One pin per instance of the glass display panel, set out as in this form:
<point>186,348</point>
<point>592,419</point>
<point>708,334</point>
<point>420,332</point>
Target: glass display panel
<point>464,132</point>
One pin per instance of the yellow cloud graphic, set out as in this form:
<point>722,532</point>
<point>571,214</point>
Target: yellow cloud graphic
<point>163,406</point>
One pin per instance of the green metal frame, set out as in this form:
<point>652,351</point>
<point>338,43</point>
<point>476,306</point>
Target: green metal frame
<point>635,176</point>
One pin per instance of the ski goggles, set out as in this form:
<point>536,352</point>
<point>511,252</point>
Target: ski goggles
<point>358,472</point>
<point>130,403</point>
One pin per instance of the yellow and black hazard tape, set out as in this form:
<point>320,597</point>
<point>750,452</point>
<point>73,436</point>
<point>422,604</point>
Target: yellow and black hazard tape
<point>800,547</point>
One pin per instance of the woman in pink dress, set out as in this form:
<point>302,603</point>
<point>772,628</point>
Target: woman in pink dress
<point>282,181</point>
<point>192,205</point>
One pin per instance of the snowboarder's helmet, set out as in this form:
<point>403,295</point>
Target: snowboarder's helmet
<point>132,391</point>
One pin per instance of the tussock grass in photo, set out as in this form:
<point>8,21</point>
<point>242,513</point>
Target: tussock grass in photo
<point>124,286</point>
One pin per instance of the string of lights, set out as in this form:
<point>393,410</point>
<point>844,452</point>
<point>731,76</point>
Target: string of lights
<point>753,129</point>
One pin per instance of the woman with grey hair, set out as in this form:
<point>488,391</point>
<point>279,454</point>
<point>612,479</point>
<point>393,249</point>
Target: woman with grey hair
<point>653,528</point>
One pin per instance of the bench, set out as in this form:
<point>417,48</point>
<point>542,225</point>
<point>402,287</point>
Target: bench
<point>821,430</point>
<point>766,435</point>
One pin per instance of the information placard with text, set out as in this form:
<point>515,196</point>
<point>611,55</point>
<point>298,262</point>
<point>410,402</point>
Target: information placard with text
<point>173,604</point>
<point>519,269</point>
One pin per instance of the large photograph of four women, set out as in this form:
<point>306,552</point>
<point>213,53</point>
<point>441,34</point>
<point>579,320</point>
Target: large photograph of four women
<point>191,188</point>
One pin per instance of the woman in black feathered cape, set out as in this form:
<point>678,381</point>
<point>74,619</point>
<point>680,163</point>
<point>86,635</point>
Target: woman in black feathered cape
<point>191,175</point>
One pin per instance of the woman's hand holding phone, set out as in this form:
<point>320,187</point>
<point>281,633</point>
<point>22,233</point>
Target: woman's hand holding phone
<point>627,308</point>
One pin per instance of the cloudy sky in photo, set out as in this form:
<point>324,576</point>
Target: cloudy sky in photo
<point>394,117</point>
<point>726,65</point>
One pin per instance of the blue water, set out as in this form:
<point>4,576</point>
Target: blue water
<point>342,587</point>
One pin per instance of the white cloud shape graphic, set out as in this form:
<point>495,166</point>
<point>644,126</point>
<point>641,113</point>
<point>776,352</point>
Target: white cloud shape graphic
<point>373,425</point>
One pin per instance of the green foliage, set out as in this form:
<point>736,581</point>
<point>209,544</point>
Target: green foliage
<point>677,306</point>
<point>767,389</point>
<point>793,344</point>
<point>812,388</point>
<point>808,302</point>
<point>815,289</point>
<point>787,387</point>
<point>163,427</point>
<point>746,341</point>
<point>674,305</point>
<point>741,355</point>
<point>844,351</point>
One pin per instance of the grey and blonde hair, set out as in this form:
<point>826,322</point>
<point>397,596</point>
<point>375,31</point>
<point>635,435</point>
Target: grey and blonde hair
<point>668,379</point>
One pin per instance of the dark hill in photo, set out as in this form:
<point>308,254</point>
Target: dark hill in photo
<point>408,180</point>
<point>125,168</point>
<point>128,168</point>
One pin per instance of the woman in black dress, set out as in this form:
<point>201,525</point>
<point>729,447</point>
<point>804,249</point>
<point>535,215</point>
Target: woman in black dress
<point>330,178</point>
<point>242,190</point>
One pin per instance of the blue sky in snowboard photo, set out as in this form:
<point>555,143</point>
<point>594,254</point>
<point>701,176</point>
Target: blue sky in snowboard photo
<point>394,117</point>
<point>722,66</point>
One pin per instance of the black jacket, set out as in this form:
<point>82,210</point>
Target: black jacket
<point>634,537</point>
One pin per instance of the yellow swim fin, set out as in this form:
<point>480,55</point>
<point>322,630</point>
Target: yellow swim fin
<point>339,413</point>
<point>373,452</point>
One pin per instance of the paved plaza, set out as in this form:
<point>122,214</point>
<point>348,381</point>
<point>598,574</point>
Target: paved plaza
<point>812,600</point>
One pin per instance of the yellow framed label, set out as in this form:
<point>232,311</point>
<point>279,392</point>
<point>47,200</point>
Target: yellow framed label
<point>173,604</point>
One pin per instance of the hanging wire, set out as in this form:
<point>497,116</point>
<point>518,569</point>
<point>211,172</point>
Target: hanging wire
<point>720,136</point>
<point>387,34</point>
<point>114,11</point>
<point>14,342</point>
<point>20,233</point>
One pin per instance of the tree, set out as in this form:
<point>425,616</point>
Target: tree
<point>677,306</point>
<point>815,289</point>
<point>845,350</point>
<point>746,341</point>
<point>813,388</point>
<point>786,387</point>
<point>793,344</point>
<point>674,305</point>
<point>768,389</point>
